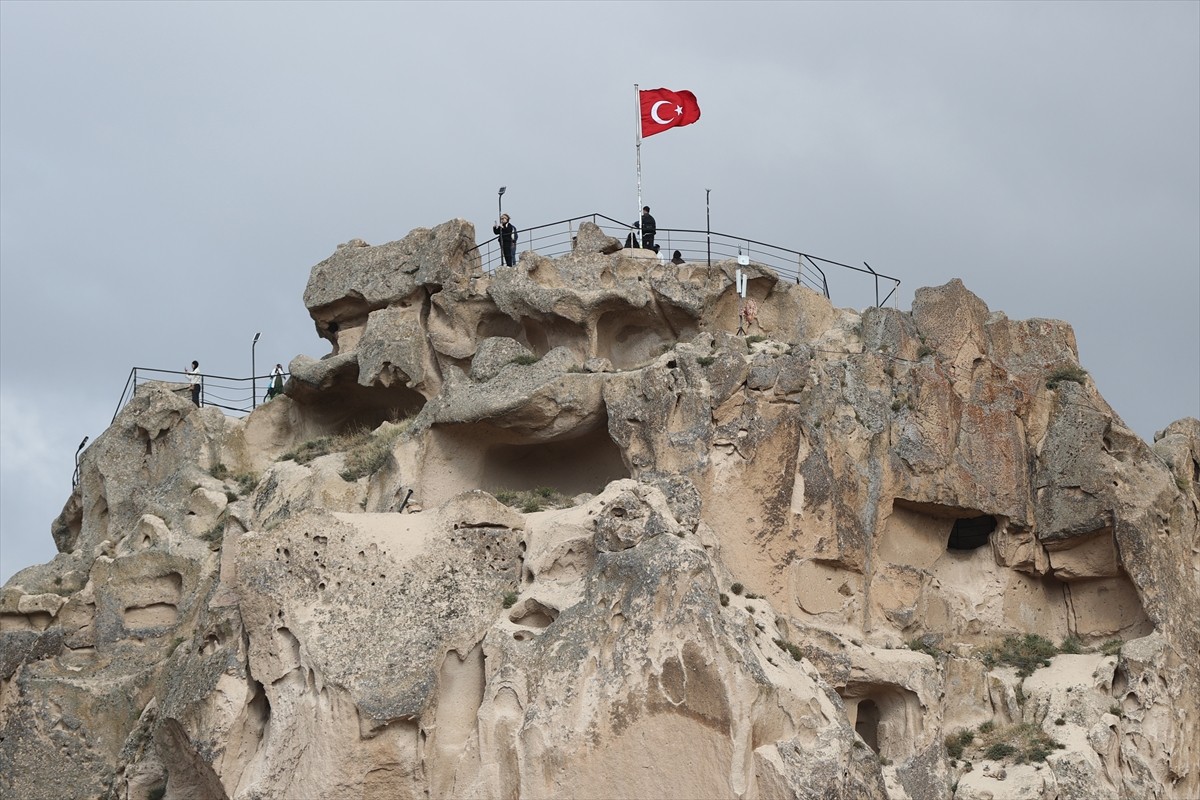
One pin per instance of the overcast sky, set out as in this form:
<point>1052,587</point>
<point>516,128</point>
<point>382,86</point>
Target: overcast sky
<point>170,172</point>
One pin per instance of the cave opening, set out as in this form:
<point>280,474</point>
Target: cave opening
<point>971,533</point>
<point>481,456</point>
<point>866,723</point>
<point>361,408</point>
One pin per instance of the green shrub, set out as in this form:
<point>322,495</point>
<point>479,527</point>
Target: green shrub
<point>999,751</point>
<point>1027,653</point>
<point>956,743</point>
<point>795,652</point>
<point>246,481</point>
<point>509,599</point>
<point>314,448</point>
<point>706,361</point>
<point>1067,374</point>
<point>755,339</point>
<point>1112,647</point>
<point>525,360</point>
<point>533,500</point>
<point>923,645</point>
<point>1072,645</point>
<point>724,599</point>
<point>219,472</point>
<point>736,588</point>
<point>369,455</point>
<point>216,534</point>
<point>1025,743</point>
<point>924,350</point>
<point>987,727</point>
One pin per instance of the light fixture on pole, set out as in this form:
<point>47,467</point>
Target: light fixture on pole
<point>253,374</point>
<point>500,202</point>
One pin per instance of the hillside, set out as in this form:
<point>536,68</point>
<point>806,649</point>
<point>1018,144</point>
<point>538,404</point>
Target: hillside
<point>557,531</point>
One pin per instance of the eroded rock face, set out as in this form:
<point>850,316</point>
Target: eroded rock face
<point>763,532</point>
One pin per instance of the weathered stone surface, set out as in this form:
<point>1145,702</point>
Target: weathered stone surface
<point>375,277</point>
<point>762,530</point>
<point>590,239</point>
<point>494,354</point>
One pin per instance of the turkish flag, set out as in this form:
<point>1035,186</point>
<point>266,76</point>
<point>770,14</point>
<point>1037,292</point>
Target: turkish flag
<point>663,109</point>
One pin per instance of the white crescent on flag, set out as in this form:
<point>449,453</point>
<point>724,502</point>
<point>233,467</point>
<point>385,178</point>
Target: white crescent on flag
<point>654,112</point>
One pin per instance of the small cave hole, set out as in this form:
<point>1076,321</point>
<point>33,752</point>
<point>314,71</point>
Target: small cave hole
<point>971,533</point>
<point>866,724</point>
<point>532,614</point>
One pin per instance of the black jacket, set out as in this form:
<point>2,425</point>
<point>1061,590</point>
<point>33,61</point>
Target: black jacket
<point>506,232</point>
<point>648,227</point>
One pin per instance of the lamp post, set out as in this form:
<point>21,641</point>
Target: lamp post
<point>708,225</point>
<point>254,374</point>
<point>500,203</point>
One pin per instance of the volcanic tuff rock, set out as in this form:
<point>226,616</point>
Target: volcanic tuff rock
<point>827,559</point>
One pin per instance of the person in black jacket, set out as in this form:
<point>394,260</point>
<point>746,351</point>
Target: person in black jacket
<point>508,240</point>
<point>648,228</point>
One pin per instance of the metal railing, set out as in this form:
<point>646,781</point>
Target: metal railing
<point>236,396</point>
<point>695,246</point>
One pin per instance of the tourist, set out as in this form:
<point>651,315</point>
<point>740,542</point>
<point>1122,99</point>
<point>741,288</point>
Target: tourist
<point>677,258</point>
<point>276,386</point>
<point>194,379</point>
<point>648,228</point>
<point>508,240</point>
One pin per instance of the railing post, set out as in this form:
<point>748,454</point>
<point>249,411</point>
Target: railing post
<point>708,225</point>
<point>868,266</point>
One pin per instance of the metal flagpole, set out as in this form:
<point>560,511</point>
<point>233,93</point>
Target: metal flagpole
<point>637,107</point>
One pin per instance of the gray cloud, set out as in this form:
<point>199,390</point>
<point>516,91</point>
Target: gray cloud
<point>171,171</point>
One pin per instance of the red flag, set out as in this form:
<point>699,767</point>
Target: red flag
<point>663,109</point>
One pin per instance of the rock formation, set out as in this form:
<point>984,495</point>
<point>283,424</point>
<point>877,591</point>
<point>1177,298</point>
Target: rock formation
<point>555,532</point>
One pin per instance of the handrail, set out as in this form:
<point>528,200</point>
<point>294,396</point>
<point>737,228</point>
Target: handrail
<point>211,388</point>
<point>804,268</point>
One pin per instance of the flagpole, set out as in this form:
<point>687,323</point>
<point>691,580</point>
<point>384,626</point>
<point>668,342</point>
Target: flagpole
<point>637,108</point>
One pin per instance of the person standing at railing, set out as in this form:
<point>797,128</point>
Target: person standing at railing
<point>276,387</point>
<point>194,379</point>
<point>508,240</point>
<point>677,258</point>
<point>648,229</point>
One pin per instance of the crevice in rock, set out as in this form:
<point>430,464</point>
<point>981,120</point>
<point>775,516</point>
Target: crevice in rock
<point>532,614</point>
<point>543,336</point>
<point>350,407</point>
<point>971,533</point>
<point>482,456</point>
<point>631,338</point>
